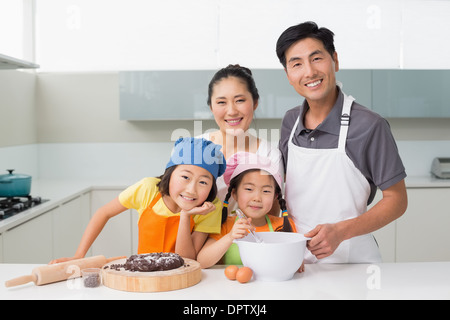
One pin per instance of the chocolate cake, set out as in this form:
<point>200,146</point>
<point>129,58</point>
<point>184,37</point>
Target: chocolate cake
<point>157,261</point>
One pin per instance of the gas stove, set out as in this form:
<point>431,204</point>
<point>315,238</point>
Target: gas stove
<point>13,205</point>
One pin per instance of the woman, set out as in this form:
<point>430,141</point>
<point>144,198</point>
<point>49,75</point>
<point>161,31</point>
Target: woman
<point>233,99</point>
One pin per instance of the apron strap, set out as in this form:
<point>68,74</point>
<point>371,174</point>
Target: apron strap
<point>293,129</point>
<point>155,200</point>
<point>269,223</point>
<point>345,121</point>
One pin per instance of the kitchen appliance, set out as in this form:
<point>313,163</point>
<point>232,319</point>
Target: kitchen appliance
<point>10,206</point>
<point>440,167</point>
<point>59,271</point>
<point>14,185</point>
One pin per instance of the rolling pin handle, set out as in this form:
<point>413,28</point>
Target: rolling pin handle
<point>20,280</point>
<point>115,258</point>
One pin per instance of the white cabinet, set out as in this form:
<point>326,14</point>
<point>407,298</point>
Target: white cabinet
<point>423,231</point>
<point>421,234</point>
<point>115,238</point>
<point>132,43</point>
<point>53,234</point>
<point>418,40</point>
<point>69,222</point>
<point>57,232</point>
<point>30,242</point>
<point>381,34</point>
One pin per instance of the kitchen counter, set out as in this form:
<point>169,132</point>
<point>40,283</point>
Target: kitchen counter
<point>428,181</point>
<point>426,280</point>
<point>61,191</point>
<point>58,192</point>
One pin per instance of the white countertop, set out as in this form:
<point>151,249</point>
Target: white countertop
<point>425,280</point>
<point>58,192</point>
<point>61,191</point>
<point>428,181</point>
<point>396,280</point>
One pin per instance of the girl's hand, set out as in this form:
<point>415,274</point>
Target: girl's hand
<point>240,228</point>
<point>205,208</point>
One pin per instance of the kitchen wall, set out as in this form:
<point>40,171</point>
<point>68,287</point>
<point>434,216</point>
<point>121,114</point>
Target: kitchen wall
<point>17,108</point>
<point>18,134</point>
<point>79,129</point>
<point>71,130</point>
<point>82,110</point>
<point>69,121</point>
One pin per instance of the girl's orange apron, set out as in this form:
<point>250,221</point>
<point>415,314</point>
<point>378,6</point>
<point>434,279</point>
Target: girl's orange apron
<point>158,233</point>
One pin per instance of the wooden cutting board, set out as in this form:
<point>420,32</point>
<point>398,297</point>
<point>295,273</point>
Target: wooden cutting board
<point>156,281</point>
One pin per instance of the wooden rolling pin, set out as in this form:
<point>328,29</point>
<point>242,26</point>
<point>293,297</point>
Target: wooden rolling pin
<point>60,271</point>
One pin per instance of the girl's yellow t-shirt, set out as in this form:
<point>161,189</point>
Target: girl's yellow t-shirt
<point>140,195</point>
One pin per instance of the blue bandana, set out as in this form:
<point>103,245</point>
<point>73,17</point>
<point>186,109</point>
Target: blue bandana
<point>199,152</point>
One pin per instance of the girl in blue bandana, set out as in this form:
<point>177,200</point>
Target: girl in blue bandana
<point>177,210</point>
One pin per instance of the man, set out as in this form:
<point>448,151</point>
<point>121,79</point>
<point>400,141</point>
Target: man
<point>336,153</point>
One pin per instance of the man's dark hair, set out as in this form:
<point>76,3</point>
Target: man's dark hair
<point>302,31</point>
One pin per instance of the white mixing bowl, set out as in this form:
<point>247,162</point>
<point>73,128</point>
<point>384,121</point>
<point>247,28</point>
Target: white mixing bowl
<point>277,258</point>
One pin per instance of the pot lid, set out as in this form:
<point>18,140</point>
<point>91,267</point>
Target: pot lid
<point>13,176</point>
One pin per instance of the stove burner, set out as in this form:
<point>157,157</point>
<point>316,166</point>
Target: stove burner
<point>13,205</point>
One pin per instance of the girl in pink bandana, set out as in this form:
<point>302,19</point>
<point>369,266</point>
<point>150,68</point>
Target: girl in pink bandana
<point>254,182</point>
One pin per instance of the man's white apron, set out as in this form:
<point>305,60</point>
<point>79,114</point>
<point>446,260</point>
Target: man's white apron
<point>324,186</point>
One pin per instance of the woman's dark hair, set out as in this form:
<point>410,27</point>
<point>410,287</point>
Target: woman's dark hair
<point>237,71</point>
<point>302,31</point>
<point>236,181</point>
<point>163,185</point>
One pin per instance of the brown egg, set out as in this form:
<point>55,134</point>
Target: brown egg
<point>244,274</point>
<point>230,272</point>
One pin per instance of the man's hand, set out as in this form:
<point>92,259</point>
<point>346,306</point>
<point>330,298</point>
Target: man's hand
<point>325,240</point>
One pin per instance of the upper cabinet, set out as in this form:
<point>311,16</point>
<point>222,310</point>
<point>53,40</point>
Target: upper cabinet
<point>368,34</point>
<point>164,95</point>
<point>426,30</point>
<point>411,93</point>
<point>182,95</point>
<point>104,35</point>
